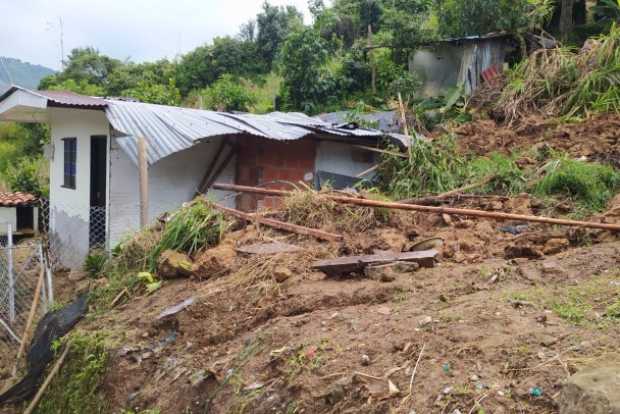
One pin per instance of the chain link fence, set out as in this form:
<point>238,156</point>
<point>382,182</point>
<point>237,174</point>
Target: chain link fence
<point>21,267</point>
<point>54,249</point>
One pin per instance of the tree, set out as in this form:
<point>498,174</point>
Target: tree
<point>153,92</point>
<point>205,64</point>
<point>228,94</point>
<point>84,66</point>
<point>306,82</point>
<point>274,24</point>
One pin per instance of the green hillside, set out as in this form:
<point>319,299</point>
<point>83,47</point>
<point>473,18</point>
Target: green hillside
<point>14,71</point>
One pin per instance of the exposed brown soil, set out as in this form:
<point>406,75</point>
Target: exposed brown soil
<point>309,344</point>
<point>597,138</point>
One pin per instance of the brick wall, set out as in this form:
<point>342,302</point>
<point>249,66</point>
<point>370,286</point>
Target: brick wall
<point>265,160</point>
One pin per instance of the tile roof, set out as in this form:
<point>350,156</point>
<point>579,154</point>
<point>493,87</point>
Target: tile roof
<point>16,199</point>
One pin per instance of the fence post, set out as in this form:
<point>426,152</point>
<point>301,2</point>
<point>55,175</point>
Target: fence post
<point>9,254</point>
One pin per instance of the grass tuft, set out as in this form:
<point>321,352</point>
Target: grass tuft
<point>589,185</point>
<point>192,228</point>
<point>76,388</point>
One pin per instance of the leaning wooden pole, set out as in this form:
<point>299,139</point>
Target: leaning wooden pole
<point>143,172</point>
<point>31,315</point>
<point>48,380</point>
<point>429,209</point>
<point>319,234</point>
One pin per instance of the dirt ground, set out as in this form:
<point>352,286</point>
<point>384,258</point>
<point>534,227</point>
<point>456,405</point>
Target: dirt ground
<point>597,139</point>
<point>489,333</point>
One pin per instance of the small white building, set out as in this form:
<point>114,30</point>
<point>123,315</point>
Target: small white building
<point>20,211</point>
<point>94,175</point>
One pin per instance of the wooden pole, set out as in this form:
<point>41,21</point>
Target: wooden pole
<point>48,380</point>
<point>31,314</point>
<point>452,192</point>
<point>322,235</point>
<point>10,272</point>
<point>403,115</point>
<point>205,179</point>
<point>143,172</point>
<point>430,209</point>
<point>381,151</point>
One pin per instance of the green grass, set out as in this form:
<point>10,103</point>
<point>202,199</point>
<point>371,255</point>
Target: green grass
<point>76,388</point>
<point>507,177</point>
<point>579,304</point>
<point>590,185</point>
<point>191,228</point>
<point>430,168</point>
<point>265,91</point>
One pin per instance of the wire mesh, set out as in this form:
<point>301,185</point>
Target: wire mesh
<point>20,269</point>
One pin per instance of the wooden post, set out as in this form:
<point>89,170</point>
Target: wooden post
<point>10,271</point>
<point>403,114</point>
<point>373,67</point>
<point>31,315</point>
<point>48,380</point>
<point>143,172</point>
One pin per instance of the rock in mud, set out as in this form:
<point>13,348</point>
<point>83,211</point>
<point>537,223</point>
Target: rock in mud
<point>174,265</point>
<point>282,274</point>
<point>554,246</point>
<point>592,391</point>
<point>514,251</point>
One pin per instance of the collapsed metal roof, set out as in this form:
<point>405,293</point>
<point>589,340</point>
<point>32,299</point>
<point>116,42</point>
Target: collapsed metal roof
<point>170,129</point>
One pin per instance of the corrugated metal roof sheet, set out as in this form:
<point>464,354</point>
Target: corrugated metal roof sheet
<point>172,129</point>
<point>72,99</point>
<point>16,199</point>
<point>65,98</point>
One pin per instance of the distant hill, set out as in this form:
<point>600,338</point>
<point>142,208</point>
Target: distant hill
<point>14,71</point>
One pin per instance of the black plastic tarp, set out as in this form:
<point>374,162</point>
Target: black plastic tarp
<point>52,326</point>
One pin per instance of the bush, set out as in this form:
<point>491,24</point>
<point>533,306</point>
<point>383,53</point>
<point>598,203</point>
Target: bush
<point>507,177</point>
<point>76,388</point>
<point>191,228</point>
<point>228,94</point>
<point>95,263</point>
<point>431,167</point>
<point>561,82</point>
<point>28,175</point>
<point>590,185</point>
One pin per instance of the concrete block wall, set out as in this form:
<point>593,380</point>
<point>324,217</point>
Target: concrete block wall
<point>263,161</point>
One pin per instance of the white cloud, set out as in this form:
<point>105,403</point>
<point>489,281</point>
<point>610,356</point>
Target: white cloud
<point>141,30</point>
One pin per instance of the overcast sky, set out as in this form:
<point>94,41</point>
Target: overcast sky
<point>140,30</point>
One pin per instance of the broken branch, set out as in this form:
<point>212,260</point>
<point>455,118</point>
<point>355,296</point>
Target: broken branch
<point>306,231</point>
<point>431,209</point>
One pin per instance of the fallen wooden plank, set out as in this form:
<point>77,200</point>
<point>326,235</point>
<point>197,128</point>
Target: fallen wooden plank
<point>431,209</point>
<point>349,264</point>
<point>268,248</point>
<point>306,231</point>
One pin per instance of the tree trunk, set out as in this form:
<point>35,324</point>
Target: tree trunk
<point>566,18</point>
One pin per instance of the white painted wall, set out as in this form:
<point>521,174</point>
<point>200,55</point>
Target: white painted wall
<point>340,158</point>
<point>70,208</point>
<point>8,215</point>
<point>173,181</point>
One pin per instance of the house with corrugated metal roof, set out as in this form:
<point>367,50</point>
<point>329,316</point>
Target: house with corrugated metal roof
<point>116,164</point>
<point>446,64</point>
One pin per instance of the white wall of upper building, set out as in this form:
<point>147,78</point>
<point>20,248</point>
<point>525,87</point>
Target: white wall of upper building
<point>80,124</point>
<point>173,181</point>
<point>70,207</point>
<point>8,216</point>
